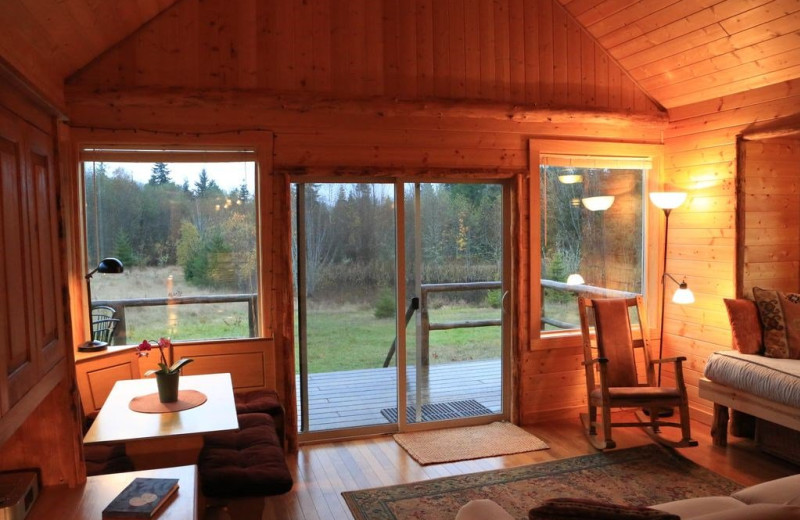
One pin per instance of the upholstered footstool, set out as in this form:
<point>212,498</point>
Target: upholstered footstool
<point>262,401</point>
<point>237,469</point>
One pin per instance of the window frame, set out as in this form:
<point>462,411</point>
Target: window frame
<point>159,149</point>
<point>652,248</point>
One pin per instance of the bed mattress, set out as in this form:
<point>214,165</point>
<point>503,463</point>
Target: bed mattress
<point>773,379</point>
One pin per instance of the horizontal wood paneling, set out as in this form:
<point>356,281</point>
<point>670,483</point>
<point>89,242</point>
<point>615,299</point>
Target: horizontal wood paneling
<point>701,159</point>
<point>769,206</point>
<point>375,139</point>
<point>520,51</point>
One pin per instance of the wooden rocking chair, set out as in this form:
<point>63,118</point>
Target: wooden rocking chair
<point>610,346</point>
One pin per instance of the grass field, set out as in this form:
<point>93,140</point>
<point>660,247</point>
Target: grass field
<point>349,337</point>
<point>341,337</point>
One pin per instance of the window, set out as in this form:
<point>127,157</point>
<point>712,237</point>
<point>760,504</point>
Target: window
<point>593,222</point>
<point>183,223</point>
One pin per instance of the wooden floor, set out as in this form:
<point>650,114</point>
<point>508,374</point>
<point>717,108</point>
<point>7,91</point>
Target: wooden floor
<point>323,471</point>
<point>356,397</point>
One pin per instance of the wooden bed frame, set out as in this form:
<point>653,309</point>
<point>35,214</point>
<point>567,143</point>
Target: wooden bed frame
<point>725,397</point>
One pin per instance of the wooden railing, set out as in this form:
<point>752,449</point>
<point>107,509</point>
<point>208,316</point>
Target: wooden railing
<point>121,333</point>
<point>582,289</point>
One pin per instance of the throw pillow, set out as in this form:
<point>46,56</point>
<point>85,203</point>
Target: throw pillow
<point>790,303</point>
<point>577,508</point>
<point>776,343</point>
<point>745,327</point>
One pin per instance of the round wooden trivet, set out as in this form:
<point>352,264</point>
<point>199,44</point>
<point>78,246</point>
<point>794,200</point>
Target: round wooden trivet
<point>150,404</point>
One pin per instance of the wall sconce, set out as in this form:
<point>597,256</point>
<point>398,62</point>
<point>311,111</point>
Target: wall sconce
<point>106,266</point>
<point>684,295</point>
<point>570,179</point>
<point>599,203</point>
<point>575,279</point>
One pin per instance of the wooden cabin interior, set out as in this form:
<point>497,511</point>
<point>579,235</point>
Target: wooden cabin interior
<point>397,90</point>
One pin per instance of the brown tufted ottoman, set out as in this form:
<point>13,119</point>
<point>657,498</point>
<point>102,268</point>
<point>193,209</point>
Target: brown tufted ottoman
<point>237,469</point>
<point>246,462</point>
<point>262,401</point>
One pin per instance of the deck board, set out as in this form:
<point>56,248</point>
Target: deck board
<point>354,398</point>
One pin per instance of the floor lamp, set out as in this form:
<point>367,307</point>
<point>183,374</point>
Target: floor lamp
<point>106,266</point>
<point>667,201</point>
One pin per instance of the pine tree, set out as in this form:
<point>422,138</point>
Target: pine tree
<point>160,174</point>
<point>244,193</point>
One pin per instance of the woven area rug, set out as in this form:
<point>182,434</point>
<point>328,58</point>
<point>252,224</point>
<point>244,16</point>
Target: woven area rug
<point>472,442</point>
<point>640,476</point>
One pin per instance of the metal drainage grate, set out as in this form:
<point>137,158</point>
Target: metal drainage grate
<point>439,411</point>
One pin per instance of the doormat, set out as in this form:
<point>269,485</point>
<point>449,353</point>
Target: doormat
<point>641,476</point>
<point>439,411</point>
<point>470,442</point>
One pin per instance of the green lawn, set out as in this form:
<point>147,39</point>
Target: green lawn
<point>347,338</point>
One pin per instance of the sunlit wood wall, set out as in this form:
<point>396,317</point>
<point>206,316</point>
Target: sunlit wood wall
<point>202,67</point>
<point>518,51</point>
<point>769,215</point>
<point>701,159</point>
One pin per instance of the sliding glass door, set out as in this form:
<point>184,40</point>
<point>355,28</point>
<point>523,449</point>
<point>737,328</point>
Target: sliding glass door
<point>373,259</point>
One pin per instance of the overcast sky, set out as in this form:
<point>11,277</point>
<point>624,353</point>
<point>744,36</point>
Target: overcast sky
<point>228,176</point>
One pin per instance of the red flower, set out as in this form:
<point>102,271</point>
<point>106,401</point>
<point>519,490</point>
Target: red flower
<point>143,349</point>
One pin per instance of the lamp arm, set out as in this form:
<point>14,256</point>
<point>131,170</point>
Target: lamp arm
<point>667,275</point>
<point>90,273</point>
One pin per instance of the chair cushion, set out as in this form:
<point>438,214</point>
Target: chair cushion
<point>482,509</point>
<point>614,340</point>
<point>102,459</point>
<point>246,462</point>
<point>753,512</point>
<point>643,394</point>
<point>258,401</point>
<point>692,507</point>
<point>581,509</point>
<point>779,491</point>
<point>745,326</point>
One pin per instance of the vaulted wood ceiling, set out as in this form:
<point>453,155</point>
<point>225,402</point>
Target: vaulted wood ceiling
<point>684,51</point>
<point>678,51</point>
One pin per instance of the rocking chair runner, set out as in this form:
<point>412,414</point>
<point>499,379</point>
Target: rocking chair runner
<point>612,378</point>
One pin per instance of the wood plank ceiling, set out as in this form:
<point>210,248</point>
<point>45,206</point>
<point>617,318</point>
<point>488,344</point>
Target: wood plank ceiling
<point>48,40</point>
<point>678,51</point>
<point>685,51</point>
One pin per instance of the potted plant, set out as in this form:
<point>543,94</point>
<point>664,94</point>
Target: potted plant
<point>167,377</point>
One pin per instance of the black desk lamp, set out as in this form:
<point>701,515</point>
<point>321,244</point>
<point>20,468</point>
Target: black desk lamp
<point>106,266</point>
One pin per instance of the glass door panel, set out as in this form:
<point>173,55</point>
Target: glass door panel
<point>454,267</point>
<point>345,257</point>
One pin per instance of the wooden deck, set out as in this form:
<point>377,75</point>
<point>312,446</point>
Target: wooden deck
<point>356,397</point>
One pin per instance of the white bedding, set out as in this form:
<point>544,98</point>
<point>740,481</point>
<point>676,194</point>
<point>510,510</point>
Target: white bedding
<point>774,379</point>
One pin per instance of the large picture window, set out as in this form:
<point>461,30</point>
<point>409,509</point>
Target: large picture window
<point>183,224</point>
<point>593,222</point>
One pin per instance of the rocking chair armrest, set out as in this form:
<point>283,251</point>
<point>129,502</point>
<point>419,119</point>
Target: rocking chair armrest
<point>600,360</point>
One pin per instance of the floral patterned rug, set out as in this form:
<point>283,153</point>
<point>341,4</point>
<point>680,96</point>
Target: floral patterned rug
<point>644,475</point>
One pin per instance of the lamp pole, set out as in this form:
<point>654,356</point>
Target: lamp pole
<point>667,211</point>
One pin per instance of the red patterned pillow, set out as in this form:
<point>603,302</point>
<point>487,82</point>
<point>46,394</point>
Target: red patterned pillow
<point>790,303</point>
<point>776,342</point>
<point>582,509</point>
<point>745,327</point>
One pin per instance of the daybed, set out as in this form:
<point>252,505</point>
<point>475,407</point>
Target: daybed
<point>761,377</point>
<point>774,500</point>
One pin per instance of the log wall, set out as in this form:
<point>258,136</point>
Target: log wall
<point>701,158</point>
